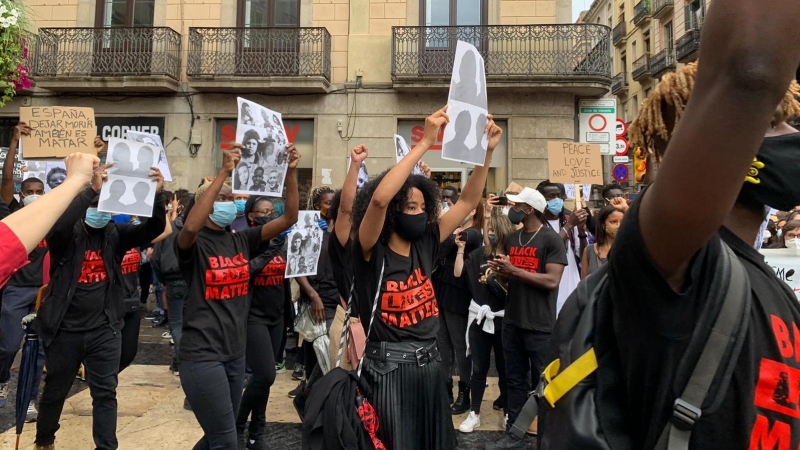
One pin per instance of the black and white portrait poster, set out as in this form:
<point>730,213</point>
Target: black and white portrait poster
<point>129,188</point>
<point>52,172</point>
<point>262,168</point>
<point>305,244</point>
<point>153,140</point>
<point>465,139</point>
<point>363,175</point>
<point>401,150</point>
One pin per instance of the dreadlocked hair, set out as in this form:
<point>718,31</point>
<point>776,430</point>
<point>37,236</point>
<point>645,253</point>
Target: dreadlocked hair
<point>430,192</point>
<point>315,196</point>
<point>674,90</point>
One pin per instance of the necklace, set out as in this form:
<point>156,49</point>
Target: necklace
<point>529,240</point>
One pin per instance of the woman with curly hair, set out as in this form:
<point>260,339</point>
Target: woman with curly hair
<point>398,239</point>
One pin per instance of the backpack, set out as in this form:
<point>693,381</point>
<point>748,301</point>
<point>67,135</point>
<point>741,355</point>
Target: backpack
<point>164,256</point>
<point>580,393</point>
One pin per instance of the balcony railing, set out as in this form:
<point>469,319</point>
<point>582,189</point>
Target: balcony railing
<point>620,33</point>
<point>259,52</point>
<point>662,62</point>
<point>687,46</point>
<point>661,7</point>
<point>641,68</point>
<point>525,52</point>
<point>641,11</point>
<point>619,83</point>
<point>108,52</point>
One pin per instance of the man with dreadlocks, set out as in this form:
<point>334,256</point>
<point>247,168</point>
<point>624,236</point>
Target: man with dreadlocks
<point>717,174</point>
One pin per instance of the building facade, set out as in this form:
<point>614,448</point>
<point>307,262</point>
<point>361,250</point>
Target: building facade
<point>342,73</point>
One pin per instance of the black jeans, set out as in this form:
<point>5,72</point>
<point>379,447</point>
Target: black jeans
<point>481,344</point>
<point>214,390</point>
<point>525,350</point>
<point>99,350</point>
<point>130,339</point>
<point>176,296</point>
<point>453,339</point>
<point>263,345</point>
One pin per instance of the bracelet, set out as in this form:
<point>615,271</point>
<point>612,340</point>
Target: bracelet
<point>460,253</point>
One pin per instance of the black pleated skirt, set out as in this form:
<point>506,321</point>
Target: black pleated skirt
<point>412,405</point>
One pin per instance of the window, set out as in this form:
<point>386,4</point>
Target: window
<point>634,53</point>
<point>625,112</point>
<point>268,13</point>
<point>668,37</point>
<point>124,13</point>
<point>623,64</point>
<point>647,44</point>
<point>693,13</point>
<point>453,12</point>
<point>635,106</point>
<point>647,93</point>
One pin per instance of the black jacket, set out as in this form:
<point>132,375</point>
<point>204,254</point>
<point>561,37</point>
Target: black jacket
<point>67,248</point>
<point>165,259</point>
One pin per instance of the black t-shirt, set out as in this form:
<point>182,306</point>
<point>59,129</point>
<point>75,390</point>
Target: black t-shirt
<point>452,292</point>
<point>130,273</point>
<point>86,310</point>
<point>269,287</point>
<point>324,282</point>
<point>476,270</point>
<point>342,262</point>
<point>30,275</point>
<point>407,308</point>
<point>653,326</point>
<point>530,307</point>
<point>217,269</point>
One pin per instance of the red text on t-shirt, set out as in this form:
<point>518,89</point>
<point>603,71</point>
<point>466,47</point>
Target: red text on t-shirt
<point>408,302</point>
<point>272,274</point>
<point>524,258</point>
<point>130,262</point>
<point>93,269</point>
<point>228,277</point>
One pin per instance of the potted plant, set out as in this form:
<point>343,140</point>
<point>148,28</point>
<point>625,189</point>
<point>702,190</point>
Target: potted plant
<point>15,42</point>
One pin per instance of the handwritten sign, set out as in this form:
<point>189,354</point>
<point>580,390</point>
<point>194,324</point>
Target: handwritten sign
<point>514,187</point>
<point>786,264</point>
<point>574,163</point>
<point>57,131</point>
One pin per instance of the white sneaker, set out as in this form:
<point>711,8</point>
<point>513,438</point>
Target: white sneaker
<point>32,413</point>
<point>4,393</point>
<point>470,423</point>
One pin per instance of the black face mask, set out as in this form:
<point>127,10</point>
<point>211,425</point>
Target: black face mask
<point>493,239</point>
<point>516,217</point>
<point>411,227</point>
<point>261,221</point>
<point>772,178</point>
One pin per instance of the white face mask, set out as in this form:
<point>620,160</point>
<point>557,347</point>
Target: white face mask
<point>29,199</point>
<point>793,243</point>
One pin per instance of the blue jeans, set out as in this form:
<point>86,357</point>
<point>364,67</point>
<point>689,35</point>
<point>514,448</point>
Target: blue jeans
<point>176,295</point>
<point>18,302</point>
<point>214,390</point>
<point>525,351</point>
<point>159,292</point>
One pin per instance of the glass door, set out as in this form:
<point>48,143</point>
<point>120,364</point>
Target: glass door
<point>270,37</point>
<point>438,45</point>
<point>121,50</point>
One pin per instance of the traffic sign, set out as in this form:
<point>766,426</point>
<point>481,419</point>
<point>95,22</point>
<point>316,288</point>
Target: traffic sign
<point>620,172</point>
<point>598,123</point>
<point>622,128</point>
<point>621,159</point>
<point>621,146</point>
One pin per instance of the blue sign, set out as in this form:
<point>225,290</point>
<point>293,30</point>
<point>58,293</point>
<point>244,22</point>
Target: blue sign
<point>621,172</point>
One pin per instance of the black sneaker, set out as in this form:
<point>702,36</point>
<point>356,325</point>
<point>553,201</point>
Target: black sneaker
<point>499,404</point>
<point>241,441</point>
<point>150,316</point>
<point>186,404</point>
<point>174,369</point>
<point>299,372</point>
<point>259,443</point>
<point>159,321</point>
<point>298,390</point>
<point>508,441</point>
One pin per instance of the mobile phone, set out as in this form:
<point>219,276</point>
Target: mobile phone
<point>502,201</point>
<point>461,236</point>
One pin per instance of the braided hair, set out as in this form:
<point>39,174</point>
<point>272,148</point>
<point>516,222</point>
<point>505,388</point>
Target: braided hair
<point>315,196</point>
<point>674,90</point>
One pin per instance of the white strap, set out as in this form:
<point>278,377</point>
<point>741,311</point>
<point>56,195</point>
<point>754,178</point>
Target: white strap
<point>372,320</point>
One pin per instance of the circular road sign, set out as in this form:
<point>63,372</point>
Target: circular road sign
<point>595,120</point>
<point>620,172</point>
<point>622,128</point>
<point>621,146</point>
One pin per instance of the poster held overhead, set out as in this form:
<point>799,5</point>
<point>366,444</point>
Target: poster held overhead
<point>305,245</point>
<point>574,163</point>
<point>363,175</point>
<point>127,195</point>
<point>402,150</point>
<point>262,168</point>
<point>58,131</point>
<point>465,139</point>
<point>153,140</point>
<point>131,159</point>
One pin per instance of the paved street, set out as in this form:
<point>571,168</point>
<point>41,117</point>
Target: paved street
<point>151,414</point>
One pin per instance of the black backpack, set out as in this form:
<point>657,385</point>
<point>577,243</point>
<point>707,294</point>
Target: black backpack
<point>580,393</point>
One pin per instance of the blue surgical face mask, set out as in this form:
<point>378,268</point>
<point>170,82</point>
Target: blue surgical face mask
<point>555,206</point>
<point>780,233</point>
<point>97,219</point>
<point>224,213</point>
<point>240,206</point>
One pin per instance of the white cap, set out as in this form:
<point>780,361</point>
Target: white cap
<point>531,197</point>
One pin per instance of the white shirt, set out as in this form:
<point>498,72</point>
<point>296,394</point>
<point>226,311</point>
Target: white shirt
<point>571,276</point>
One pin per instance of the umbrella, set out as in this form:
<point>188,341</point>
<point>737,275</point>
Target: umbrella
<point>27,370</point>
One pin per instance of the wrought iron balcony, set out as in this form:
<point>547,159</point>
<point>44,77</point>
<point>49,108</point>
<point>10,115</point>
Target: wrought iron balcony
<point>687,46</point>
<point>641,11</point>
<point>641,68</point>
<point>620,34</point>
<point>120,58</point>
<point>662,62</point>
<point>661,7</point>
<point>575,55</point>
<point>245,59</point>
<point>619,83</point>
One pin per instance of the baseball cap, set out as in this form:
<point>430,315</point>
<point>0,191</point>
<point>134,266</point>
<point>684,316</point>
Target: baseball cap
<point>531,197</point>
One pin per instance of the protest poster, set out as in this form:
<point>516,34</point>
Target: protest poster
<point>19,166</point>
<point>262,168</point>
<point>465,139</point>
<point>574,163</point>
<point>305,245</point>
<point>127,195</point>
<point>153,140</point>
<point>130,159</point>
<point>514,187</point>
<point>786,264</point>
<point>57,131</point>
<point>401,150</point>
<point>363,175</point>
<point>52,172</point>
<point>571,189</point>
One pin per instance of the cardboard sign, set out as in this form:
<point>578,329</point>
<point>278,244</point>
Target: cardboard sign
<point>57,131</point>
<point>514,187</point>
<point>786,264</point>
<point>574,163</point>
